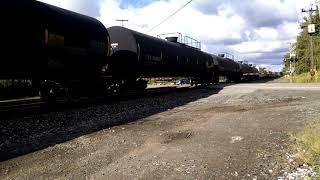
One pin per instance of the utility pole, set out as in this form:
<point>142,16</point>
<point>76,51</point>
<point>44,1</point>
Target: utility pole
<point>122,20</point>
<point>311,52</point>
<point>311,31</point>
<point>318,9</point>
<point>317,5</point>
<point>292,59</point>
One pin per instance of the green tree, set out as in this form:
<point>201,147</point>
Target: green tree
<point>302,47</point>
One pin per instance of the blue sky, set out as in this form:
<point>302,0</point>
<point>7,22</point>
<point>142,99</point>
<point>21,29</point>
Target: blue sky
<point>135,3</point>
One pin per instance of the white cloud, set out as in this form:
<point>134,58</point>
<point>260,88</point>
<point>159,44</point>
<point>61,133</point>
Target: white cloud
<point>260,46</point>
<point>190,21</point>
<point>267,33</point>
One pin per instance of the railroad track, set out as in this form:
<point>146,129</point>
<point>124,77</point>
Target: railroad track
<point>18,108</point>
<point>19,103</point>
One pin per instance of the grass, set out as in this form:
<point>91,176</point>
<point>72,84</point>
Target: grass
<point>160,80</point>
<point>8,83</point>
<point>308,144</point>
<point>304,78</point>
<point>16,89</point>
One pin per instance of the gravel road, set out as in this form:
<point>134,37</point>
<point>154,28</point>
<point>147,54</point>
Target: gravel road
<point>236,131</point>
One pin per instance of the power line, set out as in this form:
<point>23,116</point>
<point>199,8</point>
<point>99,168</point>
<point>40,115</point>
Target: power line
<point>170,16</point>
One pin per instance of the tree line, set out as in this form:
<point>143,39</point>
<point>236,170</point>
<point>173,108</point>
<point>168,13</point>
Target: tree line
<point>302,60</point>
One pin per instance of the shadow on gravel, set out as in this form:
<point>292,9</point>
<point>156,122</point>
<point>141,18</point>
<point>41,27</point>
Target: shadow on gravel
<point>20,136</point>
<point>265,80</point>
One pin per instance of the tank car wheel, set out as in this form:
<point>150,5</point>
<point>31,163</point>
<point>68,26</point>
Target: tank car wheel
<point>216,78</point>
<point>237,79</point>
<point>141,85</point>
<point>47,94</point>
<point>51,91</point>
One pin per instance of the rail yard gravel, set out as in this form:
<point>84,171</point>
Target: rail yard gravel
<point>223,132</point>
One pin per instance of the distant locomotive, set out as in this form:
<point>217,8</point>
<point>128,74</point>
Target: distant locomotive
<point>68,54</point>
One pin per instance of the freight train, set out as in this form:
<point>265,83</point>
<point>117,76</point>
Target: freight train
<point>67,54</point>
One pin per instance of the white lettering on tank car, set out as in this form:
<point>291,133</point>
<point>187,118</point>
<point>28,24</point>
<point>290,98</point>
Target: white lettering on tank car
<point>114,45</point>
<point>149,57</point>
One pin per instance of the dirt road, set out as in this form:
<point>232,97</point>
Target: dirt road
<point>237,132</point>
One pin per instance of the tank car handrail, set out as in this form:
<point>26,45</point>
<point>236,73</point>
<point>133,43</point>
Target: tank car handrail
<point>192,42</point>
<point>185,40</point>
